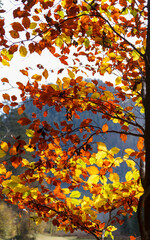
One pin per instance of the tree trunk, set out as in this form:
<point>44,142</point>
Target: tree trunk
<point>147,134</point>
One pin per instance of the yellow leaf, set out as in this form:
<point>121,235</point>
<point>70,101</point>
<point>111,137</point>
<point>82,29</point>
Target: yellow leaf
<point>71,74</point>
<point>129,176</point>
<point>2,169</point>
<point>34,193</point>
<point>29,148</point>
<point>95,95</point>
<point>135,55</point>
<point>101,146</point>
<point>30,133</point>
<point>59,83</point>
<point>118,80</point>
<point>59,42</point>
<point>131,164</point>
<point>2,153</point>
<point>93,179</point>
<point>108,95</point>
<point>114,150</point>
<point>5,63</point>
<point>4,146</point>
<point>114,177</point>
<point>129,151</point>
<point>33,25</point>
<point>23,51</point>
<point>75,194</point>
<point>37,77</point>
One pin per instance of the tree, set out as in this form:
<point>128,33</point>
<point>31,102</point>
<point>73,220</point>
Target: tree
<point>111,38</point>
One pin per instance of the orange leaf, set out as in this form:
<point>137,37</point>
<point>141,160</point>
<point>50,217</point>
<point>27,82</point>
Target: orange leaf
<point>105,127</point>
<point>17,26</point>
<point>4,80</point>
<point>92,170</point>
<point>24,72</point>
<point>14,34</point>
<point>123,137</point>
<point>140,144</point>
<point>45,73</point>
<point>24,121</point>
<point>21,109</point>
<point>132,238</point>
<point>35,18</point>
<point>103,171</point>
<point>6,96</point>
<point>6,109</point>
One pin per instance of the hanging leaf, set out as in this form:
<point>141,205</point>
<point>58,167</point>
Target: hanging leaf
<point>24,121</point>
<point>23,51</point>
<point>105,127</point>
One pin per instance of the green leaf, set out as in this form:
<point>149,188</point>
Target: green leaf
<point>75,194</point>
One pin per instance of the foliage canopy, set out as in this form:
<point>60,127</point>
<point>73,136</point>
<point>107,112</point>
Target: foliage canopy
<point>108,38</point>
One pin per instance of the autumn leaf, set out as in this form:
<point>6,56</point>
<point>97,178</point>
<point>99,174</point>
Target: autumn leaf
<point>24,121</point>
<point>105,127</point>
<point>6,109</point>
<point>92,170</point>
<point>23,51</point>
<point>4,80</point>
<point>14,34</point>
<point>2,153</point>
<point>24,72</point>
<point>17,26</point>
<point>37,77</point>
<point>75,194</point>
<point>45,73</point>
<point>6,96</point>
<point>4,146</point>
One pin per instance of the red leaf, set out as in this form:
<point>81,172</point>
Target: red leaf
<point>6,96</point>
<point>24,121</point>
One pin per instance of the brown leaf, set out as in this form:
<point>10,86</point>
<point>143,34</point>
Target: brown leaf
<point>24,121</point>
<point>17,26</point>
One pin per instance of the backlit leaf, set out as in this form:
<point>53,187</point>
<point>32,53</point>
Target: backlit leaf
<point>93,179</point>
<point>105,127</point>
<point>75,194</point>
<point>23,51</point>
<point>92,170</point>
<point>114,177</point>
